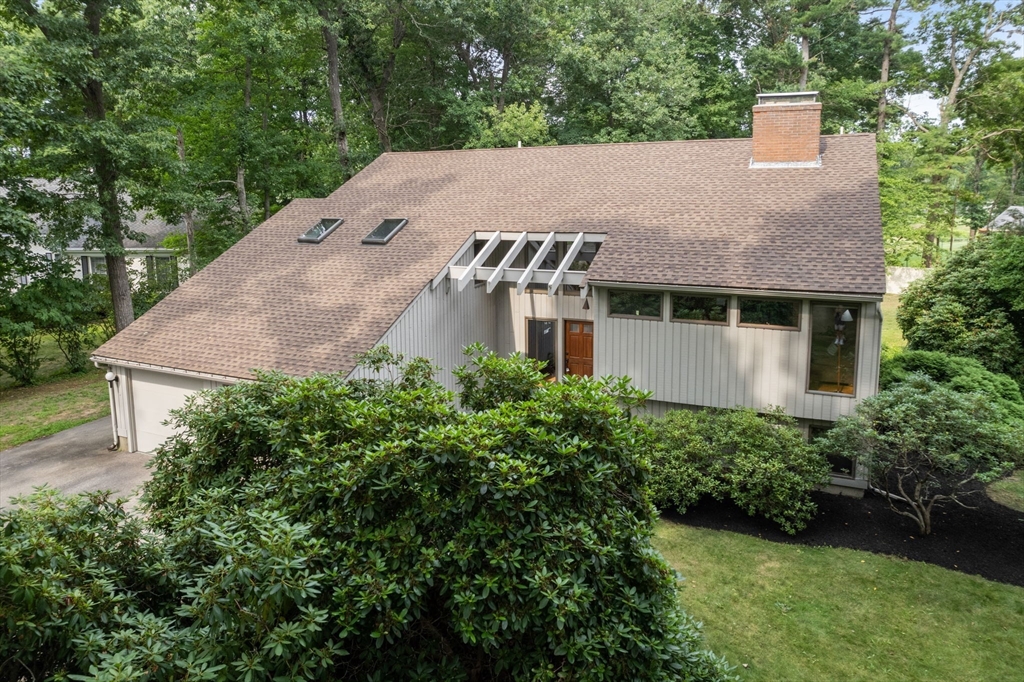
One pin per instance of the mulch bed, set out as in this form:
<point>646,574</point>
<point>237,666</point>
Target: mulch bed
<point>987,541</point>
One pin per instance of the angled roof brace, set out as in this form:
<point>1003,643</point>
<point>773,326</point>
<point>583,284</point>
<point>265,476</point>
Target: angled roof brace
<point>542,252</point>
<point>509,258</point>
<point>564,266</point>
<point>440,277</point>
<point>486,251</point>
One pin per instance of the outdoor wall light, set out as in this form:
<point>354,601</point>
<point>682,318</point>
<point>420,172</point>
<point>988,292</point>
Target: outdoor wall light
<point>110,377</point>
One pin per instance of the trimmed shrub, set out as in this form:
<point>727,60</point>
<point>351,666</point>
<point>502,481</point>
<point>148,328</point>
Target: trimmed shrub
<point>759,461</point>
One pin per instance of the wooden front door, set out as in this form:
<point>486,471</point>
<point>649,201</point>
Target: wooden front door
<point>579,348</point>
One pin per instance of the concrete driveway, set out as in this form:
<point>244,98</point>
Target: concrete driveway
<point>72,461</point>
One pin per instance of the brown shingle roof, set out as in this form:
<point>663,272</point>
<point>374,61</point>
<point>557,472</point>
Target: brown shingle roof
<point>681,213</point>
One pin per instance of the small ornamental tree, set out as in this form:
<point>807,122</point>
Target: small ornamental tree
<point>759,461</point>
<point>329,529</point>
<point>926,444</point>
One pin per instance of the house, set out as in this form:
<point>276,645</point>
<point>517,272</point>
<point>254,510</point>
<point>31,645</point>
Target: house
<point>1010,219</point>
<point>713,272</point>
<point>147,258</point>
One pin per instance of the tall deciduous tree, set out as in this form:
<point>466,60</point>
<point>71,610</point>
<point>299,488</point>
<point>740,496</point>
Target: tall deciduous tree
<point>98,141</point>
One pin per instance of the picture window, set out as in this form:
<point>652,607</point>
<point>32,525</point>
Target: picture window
<point>714,309</point>
<point>770,312</point>
<point>639,304</point>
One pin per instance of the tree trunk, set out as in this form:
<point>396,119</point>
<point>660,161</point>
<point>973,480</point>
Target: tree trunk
<point>886,57</point>
<point>106,174</point>
<point>380,119</point>
<point>334,93</point>
<point>805,55</point>
<point>190,224</point>
<point>243,203</point>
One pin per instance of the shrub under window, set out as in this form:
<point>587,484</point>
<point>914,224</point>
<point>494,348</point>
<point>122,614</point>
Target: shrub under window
<point>770,312</point>
<point>635,304</point>
<point>700,308</point>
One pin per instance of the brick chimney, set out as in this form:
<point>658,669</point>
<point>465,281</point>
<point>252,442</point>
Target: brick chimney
<point>787,130</point>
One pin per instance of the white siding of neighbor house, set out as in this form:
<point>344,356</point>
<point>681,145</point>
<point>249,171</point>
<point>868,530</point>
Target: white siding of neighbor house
<point>727,366</point>
<point>438,324</point>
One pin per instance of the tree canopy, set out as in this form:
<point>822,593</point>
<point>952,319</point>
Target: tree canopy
<point>216,114</point>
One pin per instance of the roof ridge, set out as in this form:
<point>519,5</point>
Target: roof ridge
<point>596,144</point>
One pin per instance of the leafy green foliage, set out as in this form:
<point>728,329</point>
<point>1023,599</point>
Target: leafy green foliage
<point>70,568</point>
<point>492,380</point>
<point>321,528</point>
<point>926,444</point>
<point>964,375</point>
<point>516,123</point>
<point>19,349</point>
<point>972,306</point>
<point>759,461</point>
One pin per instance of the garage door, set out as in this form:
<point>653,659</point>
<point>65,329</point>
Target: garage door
<point>154,395</point>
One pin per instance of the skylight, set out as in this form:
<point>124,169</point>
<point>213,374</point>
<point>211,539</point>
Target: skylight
<point>384,232</point>
<point>319,232</point>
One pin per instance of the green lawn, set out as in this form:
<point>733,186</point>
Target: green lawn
<point>891,334</point>
<point>58,401</point>
<point>800,613</point>
<point>1009,492</point>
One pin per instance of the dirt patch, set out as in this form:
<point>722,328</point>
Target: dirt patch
<point>987,541</point>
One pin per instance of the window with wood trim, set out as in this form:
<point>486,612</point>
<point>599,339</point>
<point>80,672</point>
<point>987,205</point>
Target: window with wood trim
<point>643,305</point>
<point>833,357</point>
<point>540,344</point>
<point>713,309</point>
<point>780,313</point>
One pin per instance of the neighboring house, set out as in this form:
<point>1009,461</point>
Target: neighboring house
<point>146,258</point>
<point>1010,219</point>
<point>713,272</point>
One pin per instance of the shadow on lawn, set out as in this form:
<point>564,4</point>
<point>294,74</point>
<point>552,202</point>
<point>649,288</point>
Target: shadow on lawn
<point>987,541</point>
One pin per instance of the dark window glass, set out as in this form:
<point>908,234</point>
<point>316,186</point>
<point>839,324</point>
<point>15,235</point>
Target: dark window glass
<point>387,229</point>
<point>770,312</point>
<point>163,269</point>
<point>540,343</point>
<point>841,466</point>
<point>635,304</point>
<point>319,232</point>
<point>700,308</point>
<point>833,361</point>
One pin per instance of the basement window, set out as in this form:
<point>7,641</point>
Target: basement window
<point>386,231</point>
<point>319,232</point>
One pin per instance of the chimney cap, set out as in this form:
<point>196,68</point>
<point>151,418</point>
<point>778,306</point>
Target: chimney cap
<point>805,97</point>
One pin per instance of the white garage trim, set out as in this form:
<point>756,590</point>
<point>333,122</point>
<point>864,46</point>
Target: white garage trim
<point>219,378</point>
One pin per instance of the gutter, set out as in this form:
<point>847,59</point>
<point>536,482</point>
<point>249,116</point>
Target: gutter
<point>99,359</point>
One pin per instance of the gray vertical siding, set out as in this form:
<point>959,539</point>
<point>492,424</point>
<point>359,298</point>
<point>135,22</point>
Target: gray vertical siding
<point>682,363</point>
<point>439,323</point>
<point>728,366</point>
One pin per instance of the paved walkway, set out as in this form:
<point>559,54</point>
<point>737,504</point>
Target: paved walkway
<point>73,461</point>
